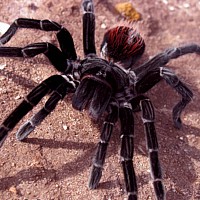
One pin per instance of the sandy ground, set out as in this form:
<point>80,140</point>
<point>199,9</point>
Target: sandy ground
<point>54,162</point>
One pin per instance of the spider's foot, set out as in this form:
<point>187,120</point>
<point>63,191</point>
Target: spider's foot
<point>24,131</point>
<point>177,123</point>
<point>132,196</point>
<point>3,135</point>
<point>95,177</point>
<point>159,190</point>
<point>88,6</point>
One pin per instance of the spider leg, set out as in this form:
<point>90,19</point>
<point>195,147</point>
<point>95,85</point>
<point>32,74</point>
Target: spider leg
<point>150,73</point>
<point>88,27</point>
<point>53,83</point>
<point>99,158</point>
<point>127,148</point>
<point>163,58</point>
<point>148,117</point>
<point>55,56</point>
<point>64,37</point>
<point>182,89</point>
<point>147,81</point>
<point>49,106</point>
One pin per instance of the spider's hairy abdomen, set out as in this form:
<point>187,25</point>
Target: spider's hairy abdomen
<point>121,43</point>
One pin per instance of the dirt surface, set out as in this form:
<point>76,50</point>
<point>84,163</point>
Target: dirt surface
<point>54,162</point>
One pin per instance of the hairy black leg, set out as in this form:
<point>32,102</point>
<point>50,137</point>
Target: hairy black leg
<point>127,148</point>
<point>149,70</point>
<point>31,100</point>
<point>182,89</point>
<point>88,27</point>
<point>49,106</point>
<point>173,53</point>
<point>148,118</point>
<point>163,58</point>
<point>36,120</point>
<point>99,158</point>
<point>146,81</point>
<point>55,56</point>
<point>64,37</point>
<point>45,25</point>
<point>135,103</point>
<point>66,44</point>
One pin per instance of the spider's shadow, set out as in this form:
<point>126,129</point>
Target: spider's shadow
<point>62,172</point>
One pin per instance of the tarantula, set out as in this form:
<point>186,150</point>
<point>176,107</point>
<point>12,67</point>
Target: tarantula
<point>111,84</point>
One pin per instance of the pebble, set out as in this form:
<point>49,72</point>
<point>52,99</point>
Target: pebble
<point>3,27</point>
<point>171,8</point>
<point>165,1</point>
<point>103,26</point>
<point>2,66</point>
<point>186,5</point>
<point>13,189</point>
<point>65,127</point>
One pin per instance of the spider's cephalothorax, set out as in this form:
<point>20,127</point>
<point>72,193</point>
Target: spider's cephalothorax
<point>101,86</point>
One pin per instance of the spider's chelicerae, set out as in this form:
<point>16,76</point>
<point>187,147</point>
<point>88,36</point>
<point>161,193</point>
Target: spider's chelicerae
<point>108,85</point>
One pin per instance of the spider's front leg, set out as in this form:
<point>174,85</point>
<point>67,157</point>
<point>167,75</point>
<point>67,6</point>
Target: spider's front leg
<point>56,96</point>
<point>56,84</point>
<point>88,28</point>
<point>151,72</point>
<point>182,89</point>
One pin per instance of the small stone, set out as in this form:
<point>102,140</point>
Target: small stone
<point>65,127</point>
<point>103,26</point>
<point>17,97</point>
<point>13,189</point>
<point>3,27</point>
<point>186,5</point>
<point>165,1</point>
<point>13,164</point>
<point>2,66</point>
<point>171,8</point>
<point>127,10</point>
<point>181,138</point>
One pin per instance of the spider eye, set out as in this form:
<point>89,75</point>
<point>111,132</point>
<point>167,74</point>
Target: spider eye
<point>122,44</point>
